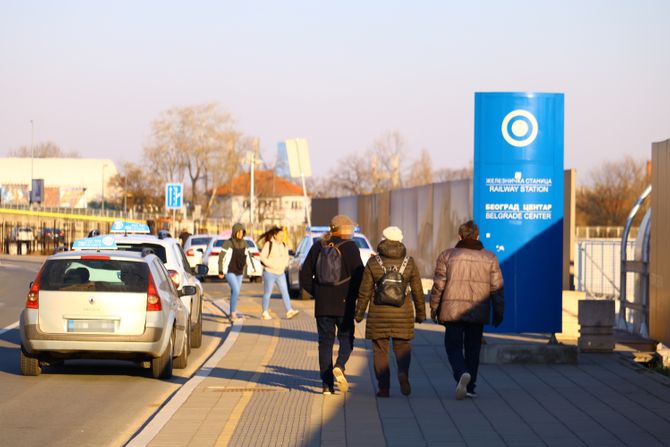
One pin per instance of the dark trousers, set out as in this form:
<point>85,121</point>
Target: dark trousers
<point>327,327</point>
<point>460,337</point>
<point>403,356</point>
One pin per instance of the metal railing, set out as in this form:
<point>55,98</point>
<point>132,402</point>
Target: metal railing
<point>598,267</point>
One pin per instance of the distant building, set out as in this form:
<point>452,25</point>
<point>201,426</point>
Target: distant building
<point>278,201</point>
<point>68,182</point>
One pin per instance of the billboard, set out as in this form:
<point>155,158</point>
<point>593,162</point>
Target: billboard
<point>518,202</point>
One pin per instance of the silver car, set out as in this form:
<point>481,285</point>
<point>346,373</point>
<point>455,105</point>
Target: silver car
<point>104,304</point>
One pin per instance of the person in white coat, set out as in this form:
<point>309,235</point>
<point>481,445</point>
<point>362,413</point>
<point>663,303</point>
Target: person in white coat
<point>274,257</point>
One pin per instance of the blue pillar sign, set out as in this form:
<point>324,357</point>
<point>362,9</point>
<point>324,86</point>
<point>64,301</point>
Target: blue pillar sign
<point>518,202</point>
<point>174,196</point>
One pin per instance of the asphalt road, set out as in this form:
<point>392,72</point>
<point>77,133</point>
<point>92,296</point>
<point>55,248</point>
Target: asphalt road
<point>84,402</point>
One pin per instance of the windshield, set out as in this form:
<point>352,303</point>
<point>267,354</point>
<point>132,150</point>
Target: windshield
<point>159,250</point>
<point>200,240</point>
<point>94,275</point>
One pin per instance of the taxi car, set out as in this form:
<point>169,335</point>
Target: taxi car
<point>195,246</point>
<point>132,236</point>
<point>314,234</point>
<point>253,270</point>
<point>99,302</point>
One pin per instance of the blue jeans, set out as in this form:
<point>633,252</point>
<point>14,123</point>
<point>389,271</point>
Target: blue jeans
<point>235,283</point>
<point>269,279</point>
<point>459,337</point>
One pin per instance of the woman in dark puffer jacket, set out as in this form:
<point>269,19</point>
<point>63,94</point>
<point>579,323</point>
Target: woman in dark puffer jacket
<point>387,322</point>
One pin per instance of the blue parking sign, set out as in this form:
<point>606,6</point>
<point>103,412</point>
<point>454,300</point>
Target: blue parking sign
<point>518,202</point>
<point>174,196</point>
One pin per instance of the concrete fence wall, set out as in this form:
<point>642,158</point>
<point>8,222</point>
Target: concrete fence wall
<point>659,275</point>
<point>428,215</point>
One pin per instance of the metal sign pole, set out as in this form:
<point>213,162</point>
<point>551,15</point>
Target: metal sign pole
<point>306,203</point>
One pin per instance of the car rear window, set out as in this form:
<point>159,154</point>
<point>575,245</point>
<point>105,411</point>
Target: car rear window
<point>200,240</point>
<point>94,275</point>
<point>159,250</point>
<point>219,243</point>
<point>250,244</point>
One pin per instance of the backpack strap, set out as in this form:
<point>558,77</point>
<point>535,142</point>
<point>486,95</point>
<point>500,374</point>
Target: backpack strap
<point>381,264</point>
<point>404,265</point>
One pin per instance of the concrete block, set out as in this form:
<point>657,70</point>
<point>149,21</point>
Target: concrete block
<point>596,343</point>
<point>596,313</point>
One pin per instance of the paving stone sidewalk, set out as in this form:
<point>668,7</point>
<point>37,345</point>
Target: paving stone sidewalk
<point>266,391</point>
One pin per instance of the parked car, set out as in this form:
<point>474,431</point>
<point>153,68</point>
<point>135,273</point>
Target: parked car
<point>172,255</point>
<point>253,269</point>
<point>22,234</point>
<point>195,246</point>
<point>104,304</point>
<point>55,235</point>
<point>314,234</point>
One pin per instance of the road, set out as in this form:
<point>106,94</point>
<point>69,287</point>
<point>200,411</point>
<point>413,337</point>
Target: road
<point>84,402</point>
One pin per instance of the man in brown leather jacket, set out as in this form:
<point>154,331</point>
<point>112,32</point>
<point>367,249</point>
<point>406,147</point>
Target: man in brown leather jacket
<point>467,283</point>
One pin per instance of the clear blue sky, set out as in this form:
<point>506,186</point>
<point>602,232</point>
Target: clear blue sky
<point>93,75</point>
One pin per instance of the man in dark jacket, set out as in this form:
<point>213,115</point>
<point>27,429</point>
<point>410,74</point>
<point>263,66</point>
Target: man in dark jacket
<point>467,283</point>
<point>334,304</point>
<point>386,322</point>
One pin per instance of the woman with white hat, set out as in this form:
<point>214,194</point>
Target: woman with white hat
<point>388,281</point>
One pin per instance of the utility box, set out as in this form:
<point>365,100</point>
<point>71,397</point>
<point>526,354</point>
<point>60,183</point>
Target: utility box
<point>596,326</point>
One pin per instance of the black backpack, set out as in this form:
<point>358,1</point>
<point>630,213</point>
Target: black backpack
<point>391,288</point>
<point>329,265</point>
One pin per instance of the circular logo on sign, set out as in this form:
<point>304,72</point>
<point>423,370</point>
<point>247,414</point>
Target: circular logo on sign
<point>519,128</point>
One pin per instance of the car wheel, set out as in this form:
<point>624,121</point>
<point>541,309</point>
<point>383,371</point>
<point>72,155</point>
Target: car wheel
<point>30,366</point>
<point>196,330</point>
<point>181,361</point>
<point>161,367</point>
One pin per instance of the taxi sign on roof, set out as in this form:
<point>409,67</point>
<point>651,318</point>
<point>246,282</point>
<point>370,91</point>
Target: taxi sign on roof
<point>120,226</point>
<point>95,243</point>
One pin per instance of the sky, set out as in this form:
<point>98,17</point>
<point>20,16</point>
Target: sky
<point>93,75</point>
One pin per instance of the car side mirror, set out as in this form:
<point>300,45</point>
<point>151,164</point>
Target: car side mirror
<point>291,253</point>
<point>188,290</point>
<point>201,269</point>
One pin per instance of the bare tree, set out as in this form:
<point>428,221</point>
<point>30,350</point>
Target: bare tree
<point>386,155</point>
<point>611,192</point>
<point>143,191</point>
<point>421,170</point>
<point>42,150</point>
<point>196,142</point>
<point>448,174</point>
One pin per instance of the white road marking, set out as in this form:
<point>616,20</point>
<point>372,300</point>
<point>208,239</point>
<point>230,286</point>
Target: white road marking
<point>9,328</point>
<point>161,418</point>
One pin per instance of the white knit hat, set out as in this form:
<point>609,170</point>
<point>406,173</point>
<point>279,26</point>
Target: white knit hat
<point>392,234</point>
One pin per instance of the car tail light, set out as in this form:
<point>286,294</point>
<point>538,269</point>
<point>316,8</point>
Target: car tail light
<point>190,252</point>
<point>33,299</point>
<point>153,299</point>
<point>256,254</point>
<point>95,258</point>
<point>214,253</point>
<point>175,277</point>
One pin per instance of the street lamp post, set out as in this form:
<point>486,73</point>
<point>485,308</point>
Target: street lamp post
<point>102,200</point>
<point>32,158</point>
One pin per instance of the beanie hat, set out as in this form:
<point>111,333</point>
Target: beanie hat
<point>392,234</point>
<point>342,223</point>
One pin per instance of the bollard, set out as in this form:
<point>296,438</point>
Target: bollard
<point>596,325</point>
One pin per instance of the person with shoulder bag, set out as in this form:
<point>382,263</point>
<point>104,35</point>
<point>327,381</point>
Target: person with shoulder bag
<point>388,281</point>
<point>332,274</point>
<point>232,260</point>
<point>274,257</point>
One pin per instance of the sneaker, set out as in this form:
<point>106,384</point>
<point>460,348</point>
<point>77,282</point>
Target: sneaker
<point>405,387</point>
<point>341,380</point>
<point>266,315</point>
<point>461,388</point>
<point>291,313</point>
<point>471,394</point>
<point>328,390</point>
<point>383,392</point>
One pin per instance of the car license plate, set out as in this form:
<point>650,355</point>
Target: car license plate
<point>90,325</point>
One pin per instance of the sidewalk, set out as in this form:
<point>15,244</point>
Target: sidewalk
<point>266,391</point>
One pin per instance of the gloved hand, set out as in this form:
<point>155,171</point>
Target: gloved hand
<point>497,320</point>
<point>434,317</point>
<point>418,320</point>
<point>358,319</point>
